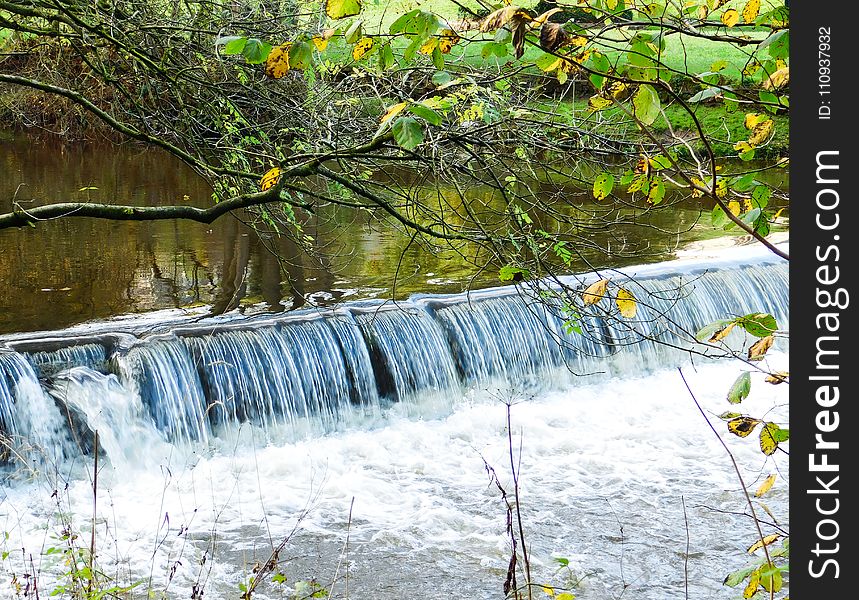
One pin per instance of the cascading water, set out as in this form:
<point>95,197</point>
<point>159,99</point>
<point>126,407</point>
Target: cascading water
<point>301,387</point>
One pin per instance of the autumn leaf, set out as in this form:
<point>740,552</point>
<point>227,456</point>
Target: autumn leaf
<point>777,377</point>
<point>751,10</point>
<point>778,80</point>
<point>277,63</point>
<point>730,17</point>
<point>603,185</point>
<point>759,348</point>
<point>761,132</point>
<point>363,46</point>
<point>502,16</point>
<point>393,111</point>
<point>742,426</point>
<point>752,585</point>
<point>771,436</point>
<point>552,37</point>
<point>599,103</point>
<point>595,292</point>
<point>270,179</point>
<point>447,40</point>
<point>544,18</point>
<point>337,9</point>
<point>722,333</point>
<point>766,541</point>
<point>626,303</point>
<point>765,486</point>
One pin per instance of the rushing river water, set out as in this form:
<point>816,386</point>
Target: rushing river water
<point>206,469</point>
<point>606,470</point>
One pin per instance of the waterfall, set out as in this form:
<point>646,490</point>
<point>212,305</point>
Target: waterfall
<point>332,368</point>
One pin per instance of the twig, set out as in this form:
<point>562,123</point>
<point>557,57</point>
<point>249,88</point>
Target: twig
<point>94,510</point>
<point>736,469</point>
<point>685,556</point>
<point>345,554</point>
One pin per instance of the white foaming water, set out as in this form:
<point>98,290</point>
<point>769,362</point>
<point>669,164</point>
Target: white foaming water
<point>605,471</point>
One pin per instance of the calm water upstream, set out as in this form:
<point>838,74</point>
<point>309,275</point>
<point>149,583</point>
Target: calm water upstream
<point>70,271</point>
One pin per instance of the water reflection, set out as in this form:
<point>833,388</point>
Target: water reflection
<point>68,271</point>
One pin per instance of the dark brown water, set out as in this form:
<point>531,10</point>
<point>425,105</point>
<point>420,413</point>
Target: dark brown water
<point>68,271</point>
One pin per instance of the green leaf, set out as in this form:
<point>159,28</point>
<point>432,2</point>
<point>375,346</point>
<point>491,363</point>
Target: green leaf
<point>646,104</point>
<point>407,23</point>
<point>705,94</point>
<point>761,196</point>
<point>758,324</point>
<point>300,56</point>
<point>425,113</point>
<point>408,133</point>
<point>511,273</point>
<point>737,577</point>
<point>337,9</point>
<point>718,218</point>
<point>708,331</point>
<point>494,48</point>
<point>598,62</point>
<point>232,44</point>
<point>437,58</point>
<point>441,78</point>
<point>386,57</point>
<point>603,185</point>
<point>256,51</point>
<point>778,44</point>
<point>355,31</point>
<point>740,389</point>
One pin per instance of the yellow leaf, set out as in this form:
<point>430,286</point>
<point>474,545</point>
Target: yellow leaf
<point>579,41</point>
<point>320,42</point>
<point>742,426</point>
<point>626,303</point>
<point>611,4</point>
<point>751,10</point>
<point>759,348</point>
<point>768,441</point>
<point>765,486</point>
<point>270,179</point>
<point>502,16</point>
<point>363,46</point>
<point>730,17</point>
<point>734,207</point>
<point>777,377</point>
<point>277,63</point>
<point>447,40</point>
<point>766,541</point>
<point>544,17</point>
<point>752,585</point>
<point>761,132</point>
<point>548,590</point>
<point>599,103</point>
<point>565,596</point>
<point>595,291</point>
<point>393,111</point>
<point>618,90</point>
<point>552,66</point>
<point>742,146</point>
<point>337,9</point>
<point>722,333</point>
<point>751,120</point>
<point>778,80</point>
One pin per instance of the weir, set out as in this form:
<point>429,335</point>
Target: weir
<point>184,382</point>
